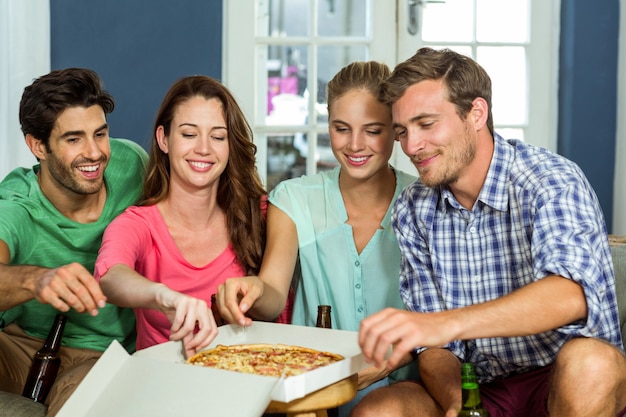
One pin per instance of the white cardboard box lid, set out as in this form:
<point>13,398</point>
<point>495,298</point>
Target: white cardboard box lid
<point>342,342</point>
<point>156,382</point>
<point>121,385</point>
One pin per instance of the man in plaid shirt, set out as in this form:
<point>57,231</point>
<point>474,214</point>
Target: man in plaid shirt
<point>505,263</point>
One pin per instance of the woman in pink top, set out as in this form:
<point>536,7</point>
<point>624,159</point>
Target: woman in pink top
<point>201,219</point>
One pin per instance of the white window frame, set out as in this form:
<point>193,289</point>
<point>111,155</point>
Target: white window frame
<point>240,70</point>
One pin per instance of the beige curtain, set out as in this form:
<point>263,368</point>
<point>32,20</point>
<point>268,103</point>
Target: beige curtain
<point>24,56</point>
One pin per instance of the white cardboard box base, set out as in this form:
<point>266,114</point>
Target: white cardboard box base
<point>156,382</point>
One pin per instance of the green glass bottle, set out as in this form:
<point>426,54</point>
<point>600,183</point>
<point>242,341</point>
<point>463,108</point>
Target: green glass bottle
<point>472,404</point>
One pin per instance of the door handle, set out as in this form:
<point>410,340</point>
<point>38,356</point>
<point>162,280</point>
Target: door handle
<point>414,14</point>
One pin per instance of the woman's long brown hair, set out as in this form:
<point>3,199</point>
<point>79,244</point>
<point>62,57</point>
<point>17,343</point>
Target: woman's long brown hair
<point>240,191</point>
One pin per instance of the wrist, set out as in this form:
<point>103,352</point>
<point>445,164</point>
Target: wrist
<point>161,295</point>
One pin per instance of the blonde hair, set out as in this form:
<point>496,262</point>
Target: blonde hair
<point>356,76</point>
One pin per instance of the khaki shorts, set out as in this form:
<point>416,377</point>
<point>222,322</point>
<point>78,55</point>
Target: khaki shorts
<point>16,353</point>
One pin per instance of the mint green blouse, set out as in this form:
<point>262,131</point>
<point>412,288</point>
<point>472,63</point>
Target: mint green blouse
<point>332,271</point>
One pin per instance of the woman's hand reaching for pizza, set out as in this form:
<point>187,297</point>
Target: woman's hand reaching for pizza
<point>191,318</point>
<point>236,296</point>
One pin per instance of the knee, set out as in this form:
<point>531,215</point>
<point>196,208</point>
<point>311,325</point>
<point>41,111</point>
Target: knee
<point>400,399</point>
<point>591,359</point>
<point>376,403</point>
<point>587,365</point>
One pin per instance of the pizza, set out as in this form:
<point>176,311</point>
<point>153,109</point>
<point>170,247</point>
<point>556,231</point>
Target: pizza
<point>264,359</point>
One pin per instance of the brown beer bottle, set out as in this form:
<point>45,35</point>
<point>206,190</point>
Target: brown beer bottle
<point>324,321</point>
<point>472,404</point>
<point>46,364</point>
<point>323,317</point>
<point>219,320</point>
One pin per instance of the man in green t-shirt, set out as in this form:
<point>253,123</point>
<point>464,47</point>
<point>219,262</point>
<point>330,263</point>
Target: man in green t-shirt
<point>51,225</point>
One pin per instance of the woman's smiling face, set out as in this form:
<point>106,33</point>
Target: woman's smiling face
<point>360,133</point>
<point>197,144</point>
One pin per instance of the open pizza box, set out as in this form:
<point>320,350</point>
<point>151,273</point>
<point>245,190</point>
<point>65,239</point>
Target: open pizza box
<point>156,381</point>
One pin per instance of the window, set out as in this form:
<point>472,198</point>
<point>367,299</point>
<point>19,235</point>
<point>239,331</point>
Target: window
<point>279,55</point>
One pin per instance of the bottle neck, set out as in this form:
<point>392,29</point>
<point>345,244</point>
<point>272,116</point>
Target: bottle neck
<point>53,342</point>
<point>323,317</point>
<point>470,389</point>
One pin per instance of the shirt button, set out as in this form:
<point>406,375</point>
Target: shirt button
<point>357,286</point>
<point>476,278</point>
<point>357,263</point>
<point>473,229</point>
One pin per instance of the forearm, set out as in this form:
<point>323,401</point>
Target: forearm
<point>538,307</point>
<point>279,261</point>
<point>270,304</point>
<point>18,284</point>
<point>125,287</point>
<point>547,304</point>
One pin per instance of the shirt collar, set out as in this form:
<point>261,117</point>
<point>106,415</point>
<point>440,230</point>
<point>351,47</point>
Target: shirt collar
<point>494,191</point>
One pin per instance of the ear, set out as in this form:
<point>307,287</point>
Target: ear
<point>162,139</point>
<point>479,113</point>
<point>36,146</point>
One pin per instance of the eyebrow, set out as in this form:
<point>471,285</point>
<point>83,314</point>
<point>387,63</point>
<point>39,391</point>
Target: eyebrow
<point>82,132</point>
<point>195,125</point>
<point>414,119</point>
<point>366,124</point>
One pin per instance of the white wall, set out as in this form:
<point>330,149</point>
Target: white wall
<point>24,56</point>
<point>619,191</point>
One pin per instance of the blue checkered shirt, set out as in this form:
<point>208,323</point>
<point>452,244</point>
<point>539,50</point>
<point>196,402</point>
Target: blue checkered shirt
<point>536,215</point>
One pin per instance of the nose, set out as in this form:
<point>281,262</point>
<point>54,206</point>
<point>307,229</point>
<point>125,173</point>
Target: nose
<point>203,145</point>
<point>92,150</point>
<point>357,141</point>
<point>412,143</point>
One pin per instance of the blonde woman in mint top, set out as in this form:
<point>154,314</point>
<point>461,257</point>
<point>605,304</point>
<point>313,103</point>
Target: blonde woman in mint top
<point>339,222</point>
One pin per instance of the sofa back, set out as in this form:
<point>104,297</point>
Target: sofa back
<point>618,253</point>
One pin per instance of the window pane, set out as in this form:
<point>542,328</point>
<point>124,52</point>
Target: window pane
<point>510,133</point>
<point>502,20</point>
<point>280,18</point>
<point>342,18</point>
<point>324,157</point>
<point>451,21</point>
<point>286,85</point>
<point>331,58</point>
<point>507,68</point>
<point>286,157</point>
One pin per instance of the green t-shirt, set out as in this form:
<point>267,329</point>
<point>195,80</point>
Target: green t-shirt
<point>37,234</point>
